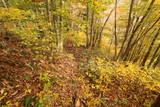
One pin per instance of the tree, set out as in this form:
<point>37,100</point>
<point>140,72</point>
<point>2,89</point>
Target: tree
<point>4,3</point>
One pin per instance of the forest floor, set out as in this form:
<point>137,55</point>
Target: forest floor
<point>22,77</point>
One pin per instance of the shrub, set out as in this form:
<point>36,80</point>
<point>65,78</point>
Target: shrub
<point>120,83</point>
<point>35,34</point>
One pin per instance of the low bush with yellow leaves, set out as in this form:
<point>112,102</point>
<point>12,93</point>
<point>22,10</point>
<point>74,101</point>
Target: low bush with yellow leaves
<point>35,34</point>
<point>119,83</point>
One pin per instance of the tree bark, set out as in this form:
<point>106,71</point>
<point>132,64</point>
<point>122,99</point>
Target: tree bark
<point>156,62</point>
<point>101,31</point>
<point>4,3</point>
<point>134,31</point>
<point>127,28</point>
<point>87,22</point>
<point>115,32</point>
<point>144,34</point>
<point>92,29</point>
<point>60,40</point>
<point>154,56</point>
<point>48,9</point>
<point>150,48</point>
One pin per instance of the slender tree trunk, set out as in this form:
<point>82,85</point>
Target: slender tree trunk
<point>48,9</point>
<point>4,3</point>
<point>156,62</point>
<point>101,31</point>
<point>96,36</point>
<point>60,41</point>
<point>154,56</point>
<point>138,26</point>
<point>115,27</point>
<point>55,20</point>
<point>138,50</point>
<point>92,29</point>
<point>87,22</point>
<point>138,53</point>
<point>145,15</point>
<point>150,48</point>
<point>109,50</point>
<point>132,54</point>
<point>127,28</point>
<point>145,32</point>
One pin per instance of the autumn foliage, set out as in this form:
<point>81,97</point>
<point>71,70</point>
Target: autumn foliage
<point>79,53</point>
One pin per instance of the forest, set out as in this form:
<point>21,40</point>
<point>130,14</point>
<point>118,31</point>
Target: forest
<point>79,53</point>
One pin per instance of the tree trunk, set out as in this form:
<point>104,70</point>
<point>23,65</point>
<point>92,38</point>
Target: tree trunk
<point>156,62</point>
<point>127,28</point>
<point>154,56</point>
<point>4,3</point>
<point>92,29</point>
<point>144,34</point>
<point>87,22</point>
<point>150,48</point>
<point>60,39</point>
<point>115,27</point>
<point>48,9</point>
<point>134,31</point>
<point>101,31</point>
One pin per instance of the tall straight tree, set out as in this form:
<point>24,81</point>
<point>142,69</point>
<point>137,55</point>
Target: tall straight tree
<point>87,27</point>
<point>127,28</point>
<point>4,3</point>
<point>48,10</point>
<point>150,48</point>
<point>128,46</point>
<point>115,28</point>
<point>102,29</point>
<point>156,62</point>
<point>56,20</point>
<point>154,56</point>
<point>60,38</point>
